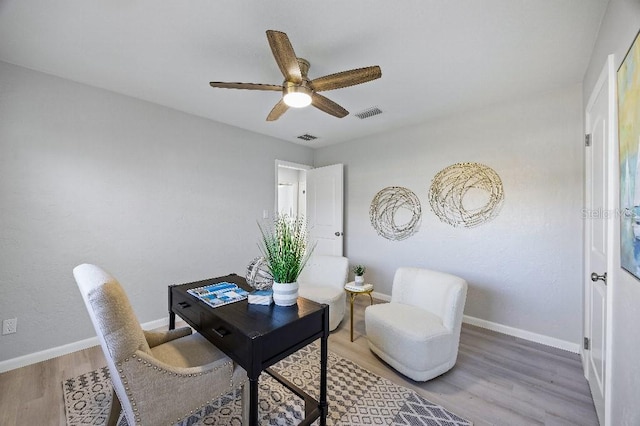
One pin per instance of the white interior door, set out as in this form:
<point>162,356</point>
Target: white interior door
<point>599,228</point>
<point>325,189</point>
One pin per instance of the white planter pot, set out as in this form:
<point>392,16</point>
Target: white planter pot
<point>359,279</point>
<point>285,294</point>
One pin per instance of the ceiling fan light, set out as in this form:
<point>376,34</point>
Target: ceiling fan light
<point>297,96</point>
<point>297,100</point>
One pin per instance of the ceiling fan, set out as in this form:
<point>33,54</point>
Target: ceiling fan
<point>297,90</point>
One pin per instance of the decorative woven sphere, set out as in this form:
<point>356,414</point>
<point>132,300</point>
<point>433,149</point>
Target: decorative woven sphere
<point>258,275</point>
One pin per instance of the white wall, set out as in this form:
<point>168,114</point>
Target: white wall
<point>524,267</point>
<point>618,30</point>
<point>153,195</point>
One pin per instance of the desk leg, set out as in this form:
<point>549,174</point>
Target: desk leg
<point>323,374</point>
<point>172,320</point>
<point>253,401</point>
<point>351,297</point>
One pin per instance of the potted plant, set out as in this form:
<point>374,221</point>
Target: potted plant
<point>284,248</point>
<point>359,271</point>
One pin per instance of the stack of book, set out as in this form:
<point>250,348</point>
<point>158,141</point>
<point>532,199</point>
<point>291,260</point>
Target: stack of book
<point>261,297</point>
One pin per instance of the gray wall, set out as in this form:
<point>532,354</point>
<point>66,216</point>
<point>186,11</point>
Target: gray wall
<point>619,27</point>
<point>151,194</point>
<point>524,267</point>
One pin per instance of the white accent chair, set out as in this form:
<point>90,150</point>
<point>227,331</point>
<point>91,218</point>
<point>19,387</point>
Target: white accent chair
<point>322,280</point>
<point>418,333</point>
<point>158,377</point>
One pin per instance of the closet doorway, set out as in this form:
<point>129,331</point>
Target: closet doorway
<point>291,188</point>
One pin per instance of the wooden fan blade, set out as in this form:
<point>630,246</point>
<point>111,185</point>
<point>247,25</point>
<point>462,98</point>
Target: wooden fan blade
<point>279,109</point>
<point>328,106</point>
<point>346,78</point>
<point>247,86</point>
<point>285,56</point>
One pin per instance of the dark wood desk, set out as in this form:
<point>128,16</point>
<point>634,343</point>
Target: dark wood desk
<point>256,337</point>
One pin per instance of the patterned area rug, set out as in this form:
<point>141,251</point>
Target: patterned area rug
<point>356,397</point>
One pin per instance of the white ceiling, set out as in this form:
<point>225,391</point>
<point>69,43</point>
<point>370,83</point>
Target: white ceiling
<point>438,57</point>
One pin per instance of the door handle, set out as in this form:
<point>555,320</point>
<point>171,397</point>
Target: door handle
<point>595,277</point>
<point>337,233</point>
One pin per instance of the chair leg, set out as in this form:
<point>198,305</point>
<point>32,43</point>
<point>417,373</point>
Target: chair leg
<point>114,413</point>
<point>246,397</point>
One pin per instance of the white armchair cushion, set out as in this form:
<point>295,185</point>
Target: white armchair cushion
<point>325,271</point>
<point>418,333</point>
<point>322,280</point>
<point>320,294</point>
<point>403,335</point>
<point>429,290</point>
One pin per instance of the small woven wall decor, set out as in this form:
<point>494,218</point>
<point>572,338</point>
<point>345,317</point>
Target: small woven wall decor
<point>388,205</point>
<point>452,184</point>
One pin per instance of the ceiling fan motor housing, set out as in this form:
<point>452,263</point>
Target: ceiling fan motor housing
<point>297,95</point>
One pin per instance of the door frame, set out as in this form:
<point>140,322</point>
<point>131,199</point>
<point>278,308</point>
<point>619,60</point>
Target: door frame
<point>607,77</point>
<point>288,165</point>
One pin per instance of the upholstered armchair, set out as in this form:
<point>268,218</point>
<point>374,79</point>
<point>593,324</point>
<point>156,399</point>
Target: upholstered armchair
<point>158,377</point>
<point>322,280</point>
<point>418,333</point>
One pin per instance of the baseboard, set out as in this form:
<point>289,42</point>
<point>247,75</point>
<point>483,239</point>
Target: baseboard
<point>505,329</point>
<point>381,296</point>
<point>36,357</point>
<point>523,334</point>
<point>23,361</point>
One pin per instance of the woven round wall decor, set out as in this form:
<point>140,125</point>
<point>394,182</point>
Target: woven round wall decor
<point>391,203</point>
<point>452,184</point>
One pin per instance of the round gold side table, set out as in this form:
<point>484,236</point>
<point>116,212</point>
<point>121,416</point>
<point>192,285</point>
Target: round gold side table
<point>353,290</point>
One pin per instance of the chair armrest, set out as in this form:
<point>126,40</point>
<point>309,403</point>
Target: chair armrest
<point>144,358</point>
<point>155,338</point>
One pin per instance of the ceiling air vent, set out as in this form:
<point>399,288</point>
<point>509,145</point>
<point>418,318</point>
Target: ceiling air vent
<point>369,112</point>
<point>307,137</point>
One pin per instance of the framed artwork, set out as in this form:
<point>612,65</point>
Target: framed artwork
<point>629,138</point>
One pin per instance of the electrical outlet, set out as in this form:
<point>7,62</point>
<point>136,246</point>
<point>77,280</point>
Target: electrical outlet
<point>10,326</point>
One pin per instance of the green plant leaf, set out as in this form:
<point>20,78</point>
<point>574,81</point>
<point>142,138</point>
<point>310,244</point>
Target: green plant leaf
<point>284,247</point>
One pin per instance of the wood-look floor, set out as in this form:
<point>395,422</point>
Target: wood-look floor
<point>498,380</point>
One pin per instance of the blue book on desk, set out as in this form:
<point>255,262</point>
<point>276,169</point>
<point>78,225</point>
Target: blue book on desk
<point>219,294</point>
